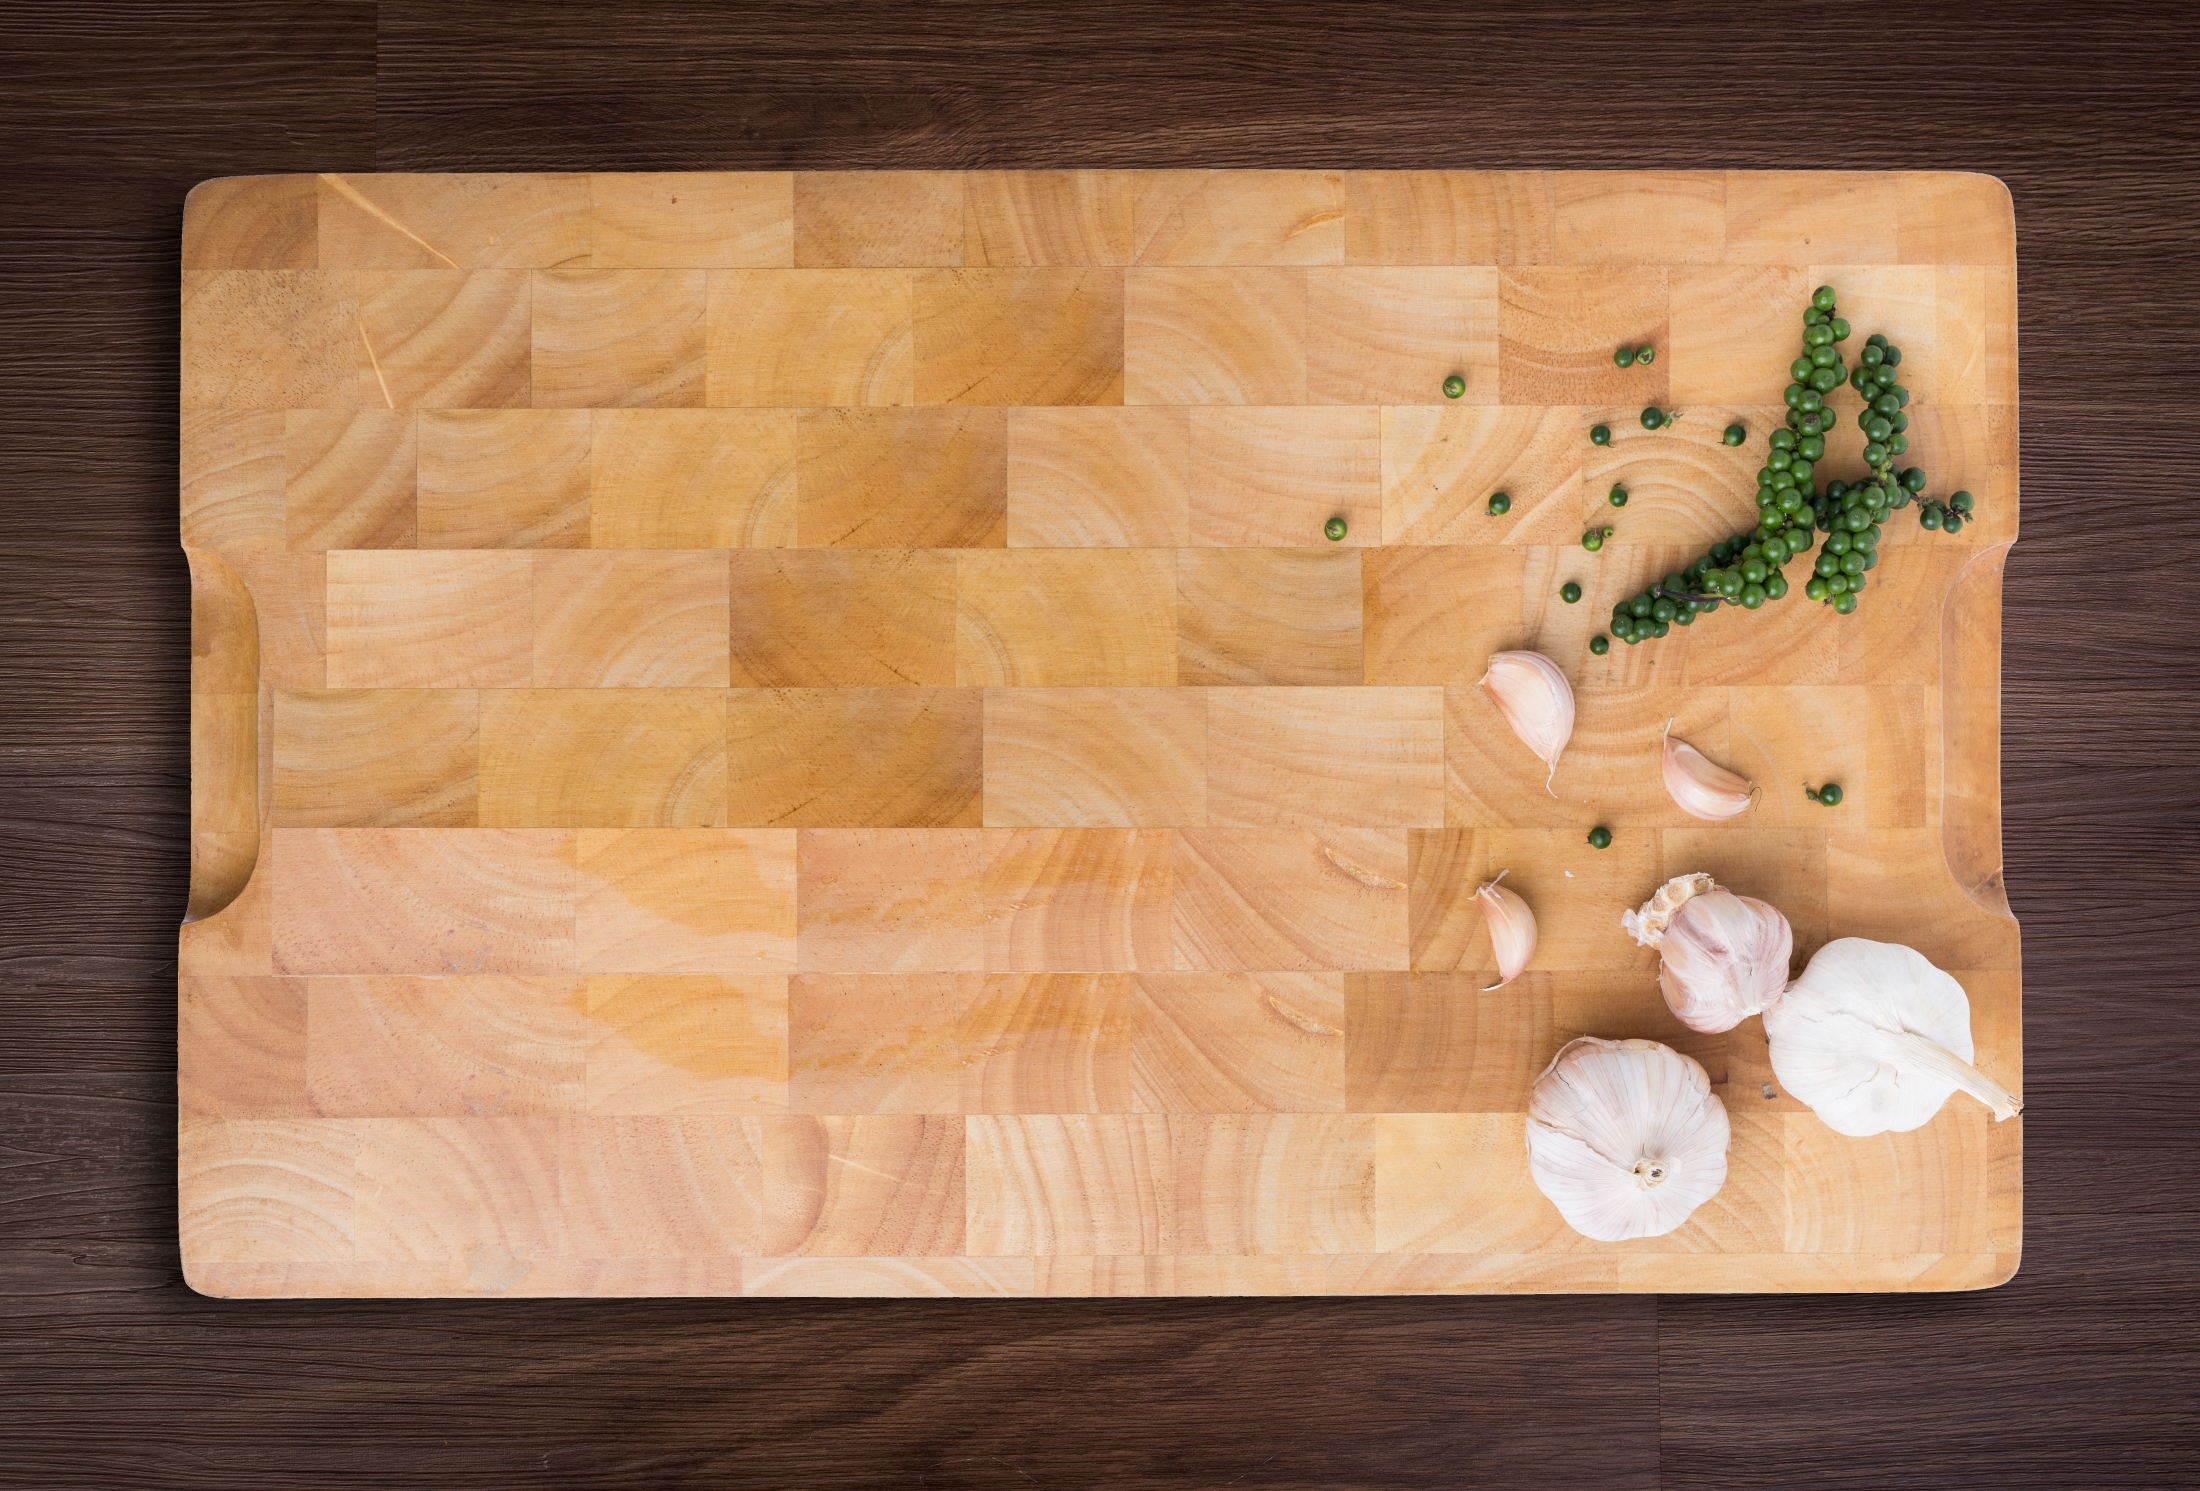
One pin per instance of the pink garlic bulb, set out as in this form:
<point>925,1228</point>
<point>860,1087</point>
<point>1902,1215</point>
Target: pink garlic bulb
<point>1721,957</point>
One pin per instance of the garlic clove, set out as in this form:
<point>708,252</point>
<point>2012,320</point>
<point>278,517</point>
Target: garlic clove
<point>1536,701</point>
<point>1701,787</point>
<point>1875,1039</point>
<point>1625,1138</point>
<point>1512,929</point>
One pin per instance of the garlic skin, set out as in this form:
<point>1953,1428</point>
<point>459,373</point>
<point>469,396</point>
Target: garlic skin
<point>1536,701</point>
<point>1626,1138</point>
<point>1721,957</point>
<point>1875,1038</point>
<point>1512,929</point>
<point>1701,787</point>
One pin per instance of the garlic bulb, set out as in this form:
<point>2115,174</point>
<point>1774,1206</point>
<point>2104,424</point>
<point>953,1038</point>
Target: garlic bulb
<point>1702,788</point>
<point>1512,929</point>
<point>1626,1138</point>
<point>1875,1038</point>
<point>1721,957</point>
<point>1536,701</point>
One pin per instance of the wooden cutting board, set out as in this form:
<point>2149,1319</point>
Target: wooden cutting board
<point>798,734</point>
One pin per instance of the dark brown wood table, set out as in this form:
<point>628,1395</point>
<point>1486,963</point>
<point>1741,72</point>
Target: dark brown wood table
<point>2083,1371</point>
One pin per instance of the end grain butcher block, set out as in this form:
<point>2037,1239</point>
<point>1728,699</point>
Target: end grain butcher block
<point>800,734</point>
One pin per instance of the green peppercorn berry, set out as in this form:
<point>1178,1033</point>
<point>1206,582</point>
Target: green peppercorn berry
<point>1913,479</point>
<point>1735,435</point>
<point>1898,445</point>
<point>1873,355</point>
<point>1569,592</point>
<point>1653,418</point>
<point>1600,837</point>
<point>1624,357</point>
<point>1953,523</point>
<point>1875,340</point>
<point>1962,502</point>
<point>1334,528</point>
<point>1845,604</point>
<point>1840,329</point>
<point>1617,496</point>
<point>1592,540</point>
<point>1830,794</point>
<point>1894,355</point>
<point>1822,299</point>
<point>1775,586</point>
<point>1837,584</point>
<point>1599,645</point>
<point>1815,587</point>
<point>1600,435</point>
<point>1500,504</point>
<point>1660,628</point>
<point>1454,386</point>
<point>1646,355</point>
<point>1801,368</point>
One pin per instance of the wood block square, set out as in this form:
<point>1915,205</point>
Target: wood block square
<point>803,338</point>
<point>1370,757</point>
<point>664,1187</point>
<point>690,219</point>
<point>1019,336</point>
<point>1954,217</point>
<point>619,338</point>
<point>1577,893</point>
<point>444,1047</point>
<point>1120,1205</point>
<point>1448,217</point>
<point>1268,616</point>
<point>1392,336</point>
<point>348,479</point>
<point>902,478</point>
<point>1441,466</point>
<point>428,620</point>
<point>603,758</point>
<point>1275,477</point>
<point>1558,327</point>
<point>1214,336</point>
<point>376,758</point>
<point>1919,1192</point>
<point>1785,738</point>
<point>252,222</point>
<point>240,1047</point>
<point>1239,1042</point>
<point>685,900</point>
<point>231,478</point>
<point>822,618</point>
<point>864,219</point>
<point>1846,217</point>
<point>290,603</point>
<point>479,1193</point>
<point>265,1190</point>
<point>423,900</point>
<point>442,339</point>
<point>1239,217</point>
<point>1271,1183</point>
<point>888,900</point>
<point>1417,631</point>
<point>504,479</point>
<point>1097,758</point>
<point>877,1185</point>
<point>854,758</point>
<point>1442,1043</point>
<point>1686,485</point>
<point>453,221</point>
<point>1901,303</point>
<point>1333,898</point>
<point>1066,617</point>
<point>1098,478</point>
<point>691,479</point>
<point>1077,900</point>
<point>270,339</point>
<point>610,619</point>
<point>686,1045</point>
<point>1735,329</point>
<point>1639,217</point>
<point>904,1043</point>
<point>1031,219</point>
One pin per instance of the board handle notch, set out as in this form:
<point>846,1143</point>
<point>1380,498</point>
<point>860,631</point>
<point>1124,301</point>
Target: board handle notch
<point>225,735</point>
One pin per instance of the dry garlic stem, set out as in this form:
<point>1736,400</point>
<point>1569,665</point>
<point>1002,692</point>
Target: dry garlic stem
<point>1721,957</point>
<point>1536,701</point>
<point>1875,1038</point>
<point>1512,929</point>
<point>1626,1138</point>
<point>1702,788</point>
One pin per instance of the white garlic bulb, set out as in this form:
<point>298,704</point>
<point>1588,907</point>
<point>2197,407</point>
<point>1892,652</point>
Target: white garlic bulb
<point>1721,957</point>
<point>1512,929</point>
<point>1699,786</point>
<point>1536,701</point>
<point>1626,1138</point>
<point>1875,1038</point>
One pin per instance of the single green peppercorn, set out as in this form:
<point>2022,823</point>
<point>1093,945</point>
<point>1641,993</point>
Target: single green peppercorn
<point>1592,540</point>
<point>1845,604</point>
<point>1953,523</point>
<point>1599,645</point>
<point>1617,496</point>
<point>1569,592</point>
<point>1822,299</point>
<point>1735,435</point>
<point>1600,435</point>
<point>1962,502</point>
<point>1830,794</point>
<point>1600,837</point>
<point>1653,418</point>
<point>1624,357</point>
<point>1500,504</point>
<point>1454,386</point>
<point>1645,355</point>
<point>1840,329</point>
<point>1815,588</point>
<point>1334,528</point>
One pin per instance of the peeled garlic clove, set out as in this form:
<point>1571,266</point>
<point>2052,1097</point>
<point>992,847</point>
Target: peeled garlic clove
<point>1536,701</point>
<point>1512,929</point>
<point>1875,1039</point>
<point>1721,957</point>
<point>1701,787</point>
<point>1626,1138</point>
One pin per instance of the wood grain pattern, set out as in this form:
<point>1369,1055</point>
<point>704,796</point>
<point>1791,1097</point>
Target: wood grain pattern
<point>1087,807</point>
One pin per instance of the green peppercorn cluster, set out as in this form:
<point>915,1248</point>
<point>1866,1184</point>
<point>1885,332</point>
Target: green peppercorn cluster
<point>1745,569</point>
